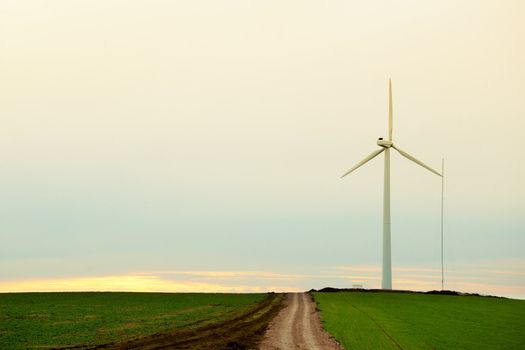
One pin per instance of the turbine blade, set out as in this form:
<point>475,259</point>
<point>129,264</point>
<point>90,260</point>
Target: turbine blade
<point>406,155</point>
<point>372,155</point>
<point>390,111</point>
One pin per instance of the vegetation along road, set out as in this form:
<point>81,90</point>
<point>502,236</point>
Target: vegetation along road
<point>356,319</point>
<point>404,320</point>
<point>134,320</point>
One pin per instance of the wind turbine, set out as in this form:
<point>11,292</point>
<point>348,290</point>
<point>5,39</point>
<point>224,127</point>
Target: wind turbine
<point>386,145</point>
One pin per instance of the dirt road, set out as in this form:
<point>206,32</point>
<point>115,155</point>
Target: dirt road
<point>297,326</point>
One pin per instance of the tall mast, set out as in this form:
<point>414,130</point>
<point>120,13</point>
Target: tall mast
<point>442,201</point>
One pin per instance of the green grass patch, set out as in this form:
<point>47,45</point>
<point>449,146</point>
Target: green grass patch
<point>389,320</point>
<point>45,320</point>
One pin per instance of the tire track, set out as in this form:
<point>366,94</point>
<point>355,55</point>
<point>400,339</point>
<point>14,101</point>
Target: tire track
<point>240,331</point>
<point>389,337</point>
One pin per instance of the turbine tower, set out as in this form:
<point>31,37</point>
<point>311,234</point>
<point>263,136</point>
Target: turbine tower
<point>386,145</point>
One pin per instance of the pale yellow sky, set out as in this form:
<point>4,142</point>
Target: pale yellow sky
<point>181,135</point>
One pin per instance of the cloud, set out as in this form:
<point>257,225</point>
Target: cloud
<point>502,277</point>
<point>236,274</point>
<point>131,283</point>
<point>147,282</point>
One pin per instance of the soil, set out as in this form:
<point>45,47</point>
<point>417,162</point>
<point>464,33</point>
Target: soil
<point>298,326</point>
<point>243,331</point>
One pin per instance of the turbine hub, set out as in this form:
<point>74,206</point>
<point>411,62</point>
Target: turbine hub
<point>384,143</point>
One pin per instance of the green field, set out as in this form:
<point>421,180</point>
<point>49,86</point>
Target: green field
<point>379,320</point>
<point>44,320</point>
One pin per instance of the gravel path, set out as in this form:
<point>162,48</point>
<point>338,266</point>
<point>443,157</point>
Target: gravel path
<point>297,326</point>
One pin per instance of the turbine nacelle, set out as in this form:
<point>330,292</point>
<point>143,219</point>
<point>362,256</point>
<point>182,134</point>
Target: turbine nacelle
<point>384,143</point>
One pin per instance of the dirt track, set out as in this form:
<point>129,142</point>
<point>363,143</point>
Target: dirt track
<point>297,326</point>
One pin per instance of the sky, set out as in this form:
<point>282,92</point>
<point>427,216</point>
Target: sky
<point>198,145</point>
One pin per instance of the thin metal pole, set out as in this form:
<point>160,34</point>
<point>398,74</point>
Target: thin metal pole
<point>386,282</point>
<point>442,200</point>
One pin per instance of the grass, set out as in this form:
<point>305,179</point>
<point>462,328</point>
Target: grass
<point>379,320</point>
<point>46,320</point>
